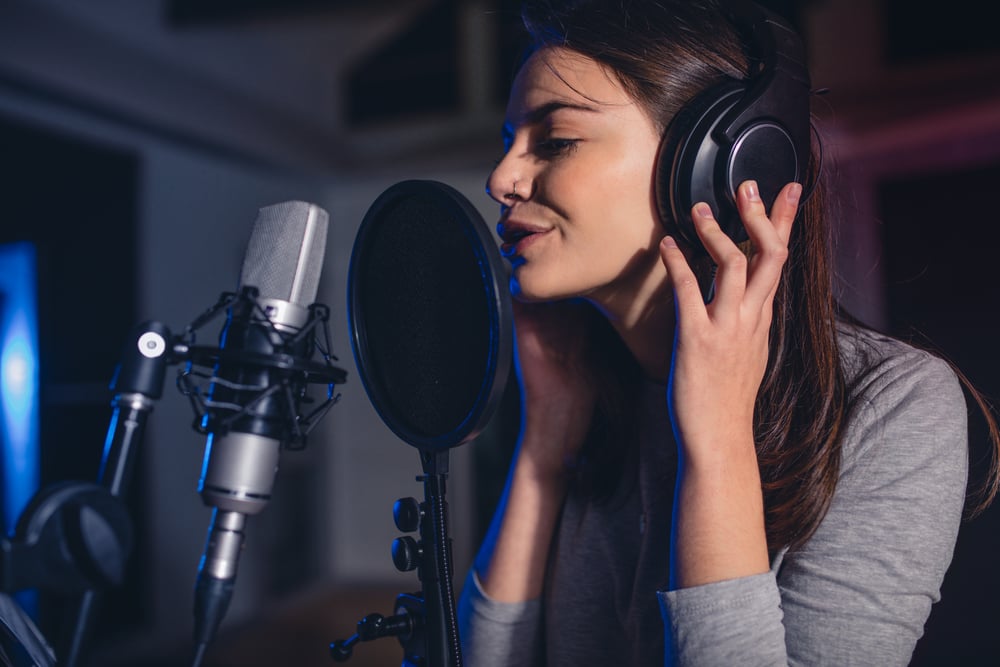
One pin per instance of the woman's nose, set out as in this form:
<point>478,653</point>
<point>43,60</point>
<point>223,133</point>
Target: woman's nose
<point>508,180</point>
<point>498,183</point>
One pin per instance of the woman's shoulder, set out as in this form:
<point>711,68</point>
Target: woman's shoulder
<point>875,363</point>
<point>905,401</point>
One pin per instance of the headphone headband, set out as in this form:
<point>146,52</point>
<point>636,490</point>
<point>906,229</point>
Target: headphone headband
<point>780,88</point>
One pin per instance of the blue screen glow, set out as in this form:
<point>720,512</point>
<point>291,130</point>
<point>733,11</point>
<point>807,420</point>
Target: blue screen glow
<point>19,434</point>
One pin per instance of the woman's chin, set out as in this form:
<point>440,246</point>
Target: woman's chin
<point>525,291</point>
<point>529,291</point>
<point>517,291</point>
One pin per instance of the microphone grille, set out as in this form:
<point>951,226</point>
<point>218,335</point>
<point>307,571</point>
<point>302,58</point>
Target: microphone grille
<point>284,257</point>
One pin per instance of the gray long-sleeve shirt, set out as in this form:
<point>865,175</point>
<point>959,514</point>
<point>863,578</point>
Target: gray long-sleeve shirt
<point>857,593</point>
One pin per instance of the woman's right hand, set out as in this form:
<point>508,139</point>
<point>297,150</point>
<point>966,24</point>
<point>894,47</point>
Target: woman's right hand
<point>558,388</point>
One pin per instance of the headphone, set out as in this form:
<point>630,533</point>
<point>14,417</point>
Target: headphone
<point>738,130</point>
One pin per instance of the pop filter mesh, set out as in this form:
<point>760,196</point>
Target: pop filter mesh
<point>424,298</point>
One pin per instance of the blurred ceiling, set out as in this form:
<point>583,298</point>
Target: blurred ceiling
<point>355,84</point>
<point>264,77</point>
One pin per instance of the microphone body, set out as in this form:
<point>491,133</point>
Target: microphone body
<point>241,460</point>
<point>258,382</point>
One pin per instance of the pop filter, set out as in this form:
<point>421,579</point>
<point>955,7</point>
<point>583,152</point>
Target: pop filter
<point>430,314</point>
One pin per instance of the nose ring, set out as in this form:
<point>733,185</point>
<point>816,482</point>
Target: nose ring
<point>513,191</point>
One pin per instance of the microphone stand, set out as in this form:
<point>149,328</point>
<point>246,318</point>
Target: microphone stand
<point>435,571</point>
<point>426,622</point>
<point>138,382</point>
<point>74,538</point>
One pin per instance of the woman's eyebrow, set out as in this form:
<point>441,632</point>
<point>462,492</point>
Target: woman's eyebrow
<point>539,113</point>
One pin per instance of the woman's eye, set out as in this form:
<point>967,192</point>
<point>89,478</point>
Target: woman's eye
<point>555,147</point>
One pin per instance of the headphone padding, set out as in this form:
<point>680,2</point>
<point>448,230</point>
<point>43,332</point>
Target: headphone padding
<point>685,170</point>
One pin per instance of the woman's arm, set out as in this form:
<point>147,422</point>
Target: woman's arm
<point>860,590</point>
<point>719,359</point>
<point>499,607</point>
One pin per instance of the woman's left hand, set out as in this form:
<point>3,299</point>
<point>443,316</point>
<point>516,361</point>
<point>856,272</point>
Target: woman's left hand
<point>719,359</point>
<point>721,349</point>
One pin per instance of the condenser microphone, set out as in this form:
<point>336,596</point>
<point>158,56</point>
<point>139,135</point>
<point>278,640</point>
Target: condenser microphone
<point>283,261</point>
<point>257,388</point>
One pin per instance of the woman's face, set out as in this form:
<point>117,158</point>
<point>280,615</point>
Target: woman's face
<point>578,216</point>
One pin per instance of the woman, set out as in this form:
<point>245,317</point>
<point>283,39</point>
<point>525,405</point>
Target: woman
<point>745,481</point>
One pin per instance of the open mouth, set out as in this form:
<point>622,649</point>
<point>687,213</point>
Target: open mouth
<point>513,241</point>
<point>515,237</point>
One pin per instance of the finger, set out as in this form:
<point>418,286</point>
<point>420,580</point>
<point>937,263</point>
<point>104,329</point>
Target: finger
<point>687,293</point>
<point>784,209</point>
<point>769,236</point>
<point>730,280</point>
<point>756,219</point>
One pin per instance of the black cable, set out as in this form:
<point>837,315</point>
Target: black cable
<point>212,596</point>
<point>199,654</point>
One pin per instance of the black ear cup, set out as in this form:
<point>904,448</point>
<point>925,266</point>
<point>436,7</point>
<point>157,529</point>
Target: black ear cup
<point>697,163</point>
<point>685,166</point>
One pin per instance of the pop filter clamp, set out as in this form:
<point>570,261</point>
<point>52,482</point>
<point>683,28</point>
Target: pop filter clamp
<point>75,538</point>
<point>431,331</point>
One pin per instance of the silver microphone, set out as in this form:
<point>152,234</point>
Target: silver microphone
<point>251,409</point>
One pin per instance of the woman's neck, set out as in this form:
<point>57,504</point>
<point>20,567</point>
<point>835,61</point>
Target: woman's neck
<point>644,319</point>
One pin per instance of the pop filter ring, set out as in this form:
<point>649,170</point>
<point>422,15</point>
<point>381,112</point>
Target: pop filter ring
<point>494,288</point>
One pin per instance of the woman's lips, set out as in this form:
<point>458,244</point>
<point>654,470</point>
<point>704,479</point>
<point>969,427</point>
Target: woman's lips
<point>517,237</point>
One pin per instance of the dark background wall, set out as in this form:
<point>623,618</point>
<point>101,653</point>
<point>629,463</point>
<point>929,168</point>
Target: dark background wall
<point>938,259</point>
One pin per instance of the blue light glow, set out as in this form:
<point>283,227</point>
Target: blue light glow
<point>18,379</point>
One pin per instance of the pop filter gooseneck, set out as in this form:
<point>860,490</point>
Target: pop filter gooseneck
<point>432,334</point>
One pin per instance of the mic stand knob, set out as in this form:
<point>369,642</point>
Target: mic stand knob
<point>342,649</point>
<point>406,553</point>
<point>376,626</point>
<point>406,513</point>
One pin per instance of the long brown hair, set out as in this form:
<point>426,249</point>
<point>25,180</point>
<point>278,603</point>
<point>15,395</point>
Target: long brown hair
<point>664,53</point>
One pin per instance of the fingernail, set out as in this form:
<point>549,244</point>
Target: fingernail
<point>793,192</point>
<point>703,210</point>
<point>751,189</point>
<point>669,242</point>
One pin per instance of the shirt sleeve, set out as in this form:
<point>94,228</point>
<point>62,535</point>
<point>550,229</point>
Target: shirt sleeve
<point>734,622</point>
<point>860,590</point>
<point>498,634</point>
